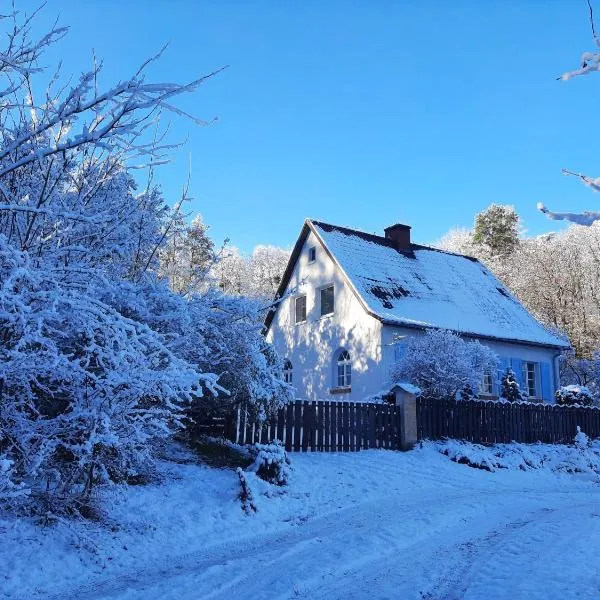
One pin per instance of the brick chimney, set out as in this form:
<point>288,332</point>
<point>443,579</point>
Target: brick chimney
<point>400,235</point>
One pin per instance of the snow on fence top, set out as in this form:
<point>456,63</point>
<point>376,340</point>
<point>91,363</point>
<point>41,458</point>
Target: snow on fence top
<point>427,287</point>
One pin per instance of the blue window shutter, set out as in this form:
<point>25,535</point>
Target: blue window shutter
<point>546,381</point>
<point>502,366</point>
<point>517,366</point>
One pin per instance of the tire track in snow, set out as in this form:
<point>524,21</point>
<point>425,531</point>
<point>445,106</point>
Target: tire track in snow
<point>448,565</point>
<point>535,558</point>
<point>214,557</point>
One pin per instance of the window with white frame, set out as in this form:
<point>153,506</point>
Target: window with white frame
<point>530,372</point>
<point>486,387</point>
<point>312,254</point>
<point>344,370</point>
<point>288,371</point>
<point>300,309</point>
<point>327,300</point>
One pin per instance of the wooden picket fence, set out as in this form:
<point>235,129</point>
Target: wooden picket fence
<point>323,426</point>
<point>503,422</point>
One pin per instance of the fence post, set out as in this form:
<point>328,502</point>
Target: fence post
<point>406,401</point>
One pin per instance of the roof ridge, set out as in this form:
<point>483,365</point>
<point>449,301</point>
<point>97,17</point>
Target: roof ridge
<point>387,242</point>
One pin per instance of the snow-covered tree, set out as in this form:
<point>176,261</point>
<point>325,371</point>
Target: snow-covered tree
<point>99,357</point>
<point>230,271</point>
<point>442,364</point>
<point>257,276</point>
<point>188,255</point>
<point>460,241</point>
<point>497,230</point>
<point>266,266</point>
<point>509,387</point>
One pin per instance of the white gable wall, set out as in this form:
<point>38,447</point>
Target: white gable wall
<point>313,346</point>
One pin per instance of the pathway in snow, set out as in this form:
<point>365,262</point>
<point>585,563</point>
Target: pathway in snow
<point>386,525</point>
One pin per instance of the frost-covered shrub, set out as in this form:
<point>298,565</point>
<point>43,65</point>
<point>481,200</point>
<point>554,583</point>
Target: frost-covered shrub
<point>84,390</point>
<point>442,364</point>
<point>581,440</point>
<point>271,463</point>
<point>509,387</point>
<point>571,395</point>
<point>581,372</point>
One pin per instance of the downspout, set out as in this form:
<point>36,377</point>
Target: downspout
<point>556,369</point>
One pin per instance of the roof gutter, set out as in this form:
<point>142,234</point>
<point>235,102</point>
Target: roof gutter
<point>469,334</point>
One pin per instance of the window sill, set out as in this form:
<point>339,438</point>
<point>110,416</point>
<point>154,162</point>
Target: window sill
<point>327,316</point>
<point>340,390</point>
<point>300,323</point>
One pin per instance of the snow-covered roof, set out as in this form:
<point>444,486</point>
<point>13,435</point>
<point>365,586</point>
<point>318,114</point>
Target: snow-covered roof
<point>428,287</point>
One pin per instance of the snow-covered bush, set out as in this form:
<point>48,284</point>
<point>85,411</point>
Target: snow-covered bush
<point>570,395</point>
<point>510,389</point>
<point>271,463</point>
<point>84,390</point>
<point>442,364</point>
<point>581,457</point>
<point>579,371</point>
<point>581,441</point>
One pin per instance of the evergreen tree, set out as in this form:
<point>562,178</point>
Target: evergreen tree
<point>511,390</point>
<point>497,230</point>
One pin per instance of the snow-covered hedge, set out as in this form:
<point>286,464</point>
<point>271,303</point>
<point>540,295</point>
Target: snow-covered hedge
<point>582,456</point>
<point>571,395</point>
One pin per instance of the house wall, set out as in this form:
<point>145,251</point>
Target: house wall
<point>313,346</point>
<point>510,354</point>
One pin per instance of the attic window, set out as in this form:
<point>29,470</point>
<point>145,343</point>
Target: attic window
<point>327,300</point>
<point>300,309</point>
<point>312,254</point>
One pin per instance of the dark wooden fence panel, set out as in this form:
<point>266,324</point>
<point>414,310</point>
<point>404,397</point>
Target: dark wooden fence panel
<point>502,422</point>
<point>327,426</point>
<point>322,426</point>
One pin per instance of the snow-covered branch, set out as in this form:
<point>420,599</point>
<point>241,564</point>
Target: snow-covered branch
<point>586,218</point>
<point>590,63</point>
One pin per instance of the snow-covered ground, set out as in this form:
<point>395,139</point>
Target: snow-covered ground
<point>374,524</point>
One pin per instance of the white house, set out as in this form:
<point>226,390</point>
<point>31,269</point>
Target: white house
<point>350,298</point>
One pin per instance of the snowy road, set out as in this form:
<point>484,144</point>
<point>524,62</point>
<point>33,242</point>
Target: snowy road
<point>384,525</point>
<point>492,548</point>
<point>381,525</point>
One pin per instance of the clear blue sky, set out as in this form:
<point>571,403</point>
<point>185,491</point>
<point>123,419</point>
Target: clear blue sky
<point>361,113</point>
